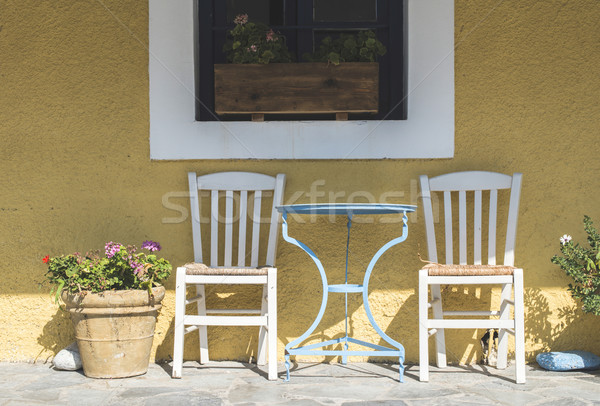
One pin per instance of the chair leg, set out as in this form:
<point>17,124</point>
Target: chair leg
<point>179,326</point>
<point>440,336</point>
<point>505,298</point>
<point>272,322</point>
<point>202,330</point>
<point>519,327</point>
<point>423,333</point>
<point>261,355</point>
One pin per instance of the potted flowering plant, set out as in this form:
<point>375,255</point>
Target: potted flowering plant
<point>260,80</point>
<point>113,300</point>
<point>583,265</point>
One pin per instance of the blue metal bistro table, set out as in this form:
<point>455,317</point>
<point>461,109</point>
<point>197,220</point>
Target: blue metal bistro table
<point>349,210</point>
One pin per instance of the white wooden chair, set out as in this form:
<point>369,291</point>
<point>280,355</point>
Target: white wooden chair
<point>478,185</point>
<point>231,186</point>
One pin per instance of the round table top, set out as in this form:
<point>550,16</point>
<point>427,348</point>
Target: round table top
<point>347,208</point>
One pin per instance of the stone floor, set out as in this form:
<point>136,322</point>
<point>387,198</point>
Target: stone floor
<point>236,383</point>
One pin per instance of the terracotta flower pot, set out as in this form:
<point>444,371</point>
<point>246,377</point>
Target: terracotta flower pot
<point>114,330</point>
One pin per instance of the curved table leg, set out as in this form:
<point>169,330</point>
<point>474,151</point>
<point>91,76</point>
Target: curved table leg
<point>366,293</point>
<point>319,265</point>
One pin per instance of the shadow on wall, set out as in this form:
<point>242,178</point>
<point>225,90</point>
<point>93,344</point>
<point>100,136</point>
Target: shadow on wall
<point>56,334</point>
<point>463,346</point>
<point>560,329</point>
<point>231,343</point>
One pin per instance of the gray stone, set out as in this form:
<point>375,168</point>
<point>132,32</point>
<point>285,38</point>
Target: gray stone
<point>68,359</point>
<point>568,360</point>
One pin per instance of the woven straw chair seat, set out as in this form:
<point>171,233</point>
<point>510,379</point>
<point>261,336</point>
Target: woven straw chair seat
<point>468,270</point>
<point>195,268</point>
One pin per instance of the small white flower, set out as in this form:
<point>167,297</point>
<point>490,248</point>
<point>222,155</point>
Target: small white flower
<point>565,239</point>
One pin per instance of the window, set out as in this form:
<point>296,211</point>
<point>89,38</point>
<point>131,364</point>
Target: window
<point>304,23</point>
<point>428,131</point>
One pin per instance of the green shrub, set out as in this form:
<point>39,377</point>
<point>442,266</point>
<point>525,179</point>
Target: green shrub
<point>582,264</point>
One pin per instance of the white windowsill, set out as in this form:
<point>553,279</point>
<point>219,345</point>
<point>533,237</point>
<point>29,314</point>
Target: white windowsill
<point>428,132</point>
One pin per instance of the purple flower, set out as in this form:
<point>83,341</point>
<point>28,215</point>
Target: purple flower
<point>138,268</point>
<point>111,248</point>
<point>151,246</point>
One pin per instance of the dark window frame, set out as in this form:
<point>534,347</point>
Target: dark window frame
<point>391,28</point>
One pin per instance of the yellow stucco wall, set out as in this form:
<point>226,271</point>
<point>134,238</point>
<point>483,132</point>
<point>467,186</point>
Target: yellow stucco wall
<point>76,170</point>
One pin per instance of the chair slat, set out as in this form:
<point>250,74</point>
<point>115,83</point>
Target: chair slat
<point>492,227</point>
<point>477,228</point>
<point>462,226</point>
<point>228,228</point>
<point>242,229</point>
<point>195,213</point>
<point>214,228</point>
<point>429,224</point>
<point>511,228</point>
<point>275,217</point>
<point>448,226</point>
<point>255,228</point>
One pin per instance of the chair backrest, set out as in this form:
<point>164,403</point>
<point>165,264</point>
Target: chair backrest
<point>229,189</point>
<point>465,184</point>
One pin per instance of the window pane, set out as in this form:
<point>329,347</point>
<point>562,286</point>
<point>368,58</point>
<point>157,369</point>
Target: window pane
<point>269,12</point>
<point>345,10</point>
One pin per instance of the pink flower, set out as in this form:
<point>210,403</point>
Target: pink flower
<point>253,48</point>
<point>241,19</point>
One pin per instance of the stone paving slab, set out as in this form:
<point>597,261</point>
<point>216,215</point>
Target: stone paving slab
<point>237,383</point>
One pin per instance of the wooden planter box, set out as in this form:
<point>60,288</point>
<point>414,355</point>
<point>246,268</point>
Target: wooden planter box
<point>297,88</point>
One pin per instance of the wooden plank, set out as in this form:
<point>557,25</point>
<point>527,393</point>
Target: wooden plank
<point>351,87</point>
<point>228,228</point>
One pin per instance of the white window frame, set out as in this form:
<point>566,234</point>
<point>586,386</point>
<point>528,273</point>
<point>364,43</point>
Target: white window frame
<point>427,133</point>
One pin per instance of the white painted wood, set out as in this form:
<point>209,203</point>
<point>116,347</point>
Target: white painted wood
<point>228,228</point>
<point>193,299</point>
<point>272,323</point>
<point>493,210</point>
<point>236,181</point>
<point>179,326</point>
<point>440,337</point>
<point>265,317</point>
<point>470,180</point>
<point>195,216</point>
<point>175,135</point>
<point>189,329</point>
<point>448,227</point>
<point>519,326</point>
<point>513,212</point>
<point>261,354</point>
<point>470,323</point>
<point>242,228</point>
<point>227,279</point>
<point>214,228</point>
<point>232,311</point>
<point>256,228</point>
<point>470,280</point>
<point>429,225</point>
<point>477,182</point>
<point>202,330</point>
<point>471,313</point>
<point>423,333</point>
<point>462,226</point>
<point>275,219</point>
<point>226,321</point>
<point>505,297</point>
<point>477,213</point>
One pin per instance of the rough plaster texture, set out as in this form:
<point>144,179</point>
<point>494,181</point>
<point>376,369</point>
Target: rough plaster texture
<point>76,172</point>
